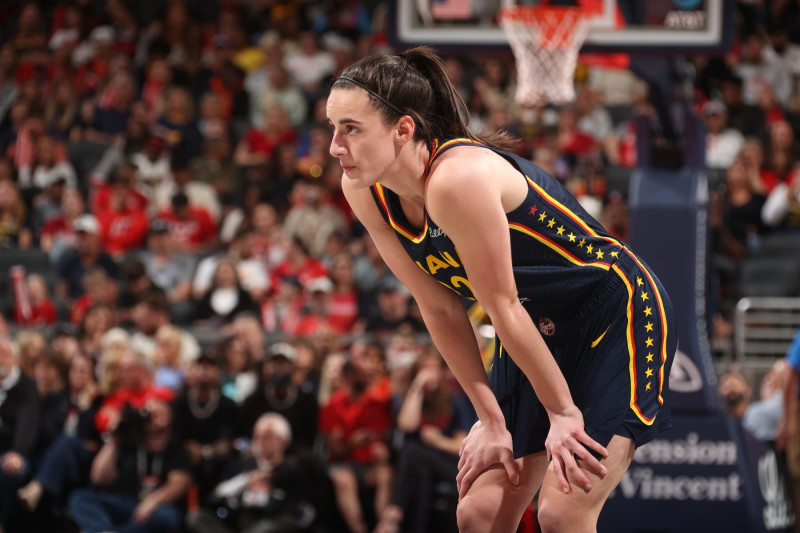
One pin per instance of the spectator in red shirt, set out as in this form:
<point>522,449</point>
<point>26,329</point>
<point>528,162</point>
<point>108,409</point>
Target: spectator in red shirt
<point>258,144</point>
<point>572,141</point>
<point>356,423</point>
<point>123,228</point>
<point>345,298</point>
<point>39,309</point>
<point>283,311</point>
<point>300,264</point>
<point>136,389</point>
<point>124,178</point>
<point>99,289</point>
<point>316,318</point>
<point>192,226</point>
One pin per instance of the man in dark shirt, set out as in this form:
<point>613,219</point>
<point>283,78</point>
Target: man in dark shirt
<point>19,412</point>
<point>206,423</point>
<point>280,394</point>
<point>139,477</point>
<point>87,255</point>
<point>264,491</point>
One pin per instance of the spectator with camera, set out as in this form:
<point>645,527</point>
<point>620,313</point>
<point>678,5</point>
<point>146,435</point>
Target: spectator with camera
<point>138,477</point>
<point>135,390</point>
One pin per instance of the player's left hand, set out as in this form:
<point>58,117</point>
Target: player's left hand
<point>481,449</point>
<point>567,439</point>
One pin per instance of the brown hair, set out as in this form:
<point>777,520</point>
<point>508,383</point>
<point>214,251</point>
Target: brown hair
<point>415,83</point>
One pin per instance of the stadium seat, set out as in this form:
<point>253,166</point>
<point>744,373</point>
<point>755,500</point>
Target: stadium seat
<point>618,179</point>
<point>784,244</point>
<point>770,276</point>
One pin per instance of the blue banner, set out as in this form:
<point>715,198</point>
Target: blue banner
<point>669,230</point>
<point>705,475</point>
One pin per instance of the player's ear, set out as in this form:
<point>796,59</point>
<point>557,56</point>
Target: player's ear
<point>405,128</point>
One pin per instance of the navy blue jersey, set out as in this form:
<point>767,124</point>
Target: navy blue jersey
<point>564,262</point>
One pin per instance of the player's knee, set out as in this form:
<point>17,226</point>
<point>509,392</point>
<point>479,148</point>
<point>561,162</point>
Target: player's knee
<point>472,515</point>
<point>553,517</point>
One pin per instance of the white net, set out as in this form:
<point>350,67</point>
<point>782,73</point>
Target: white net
<point>545,42</point>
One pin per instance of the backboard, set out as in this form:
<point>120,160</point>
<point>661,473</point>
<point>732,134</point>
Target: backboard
<point>649,26</point>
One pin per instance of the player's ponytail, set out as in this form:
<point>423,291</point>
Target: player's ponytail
<point>415,83</point>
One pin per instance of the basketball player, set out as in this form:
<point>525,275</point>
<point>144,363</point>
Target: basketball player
<point>585,332</point>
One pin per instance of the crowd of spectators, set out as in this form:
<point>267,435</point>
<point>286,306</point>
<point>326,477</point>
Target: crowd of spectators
<point>213,343</point>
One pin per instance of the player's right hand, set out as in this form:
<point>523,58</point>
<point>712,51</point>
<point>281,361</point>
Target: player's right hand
<point>481,449</point>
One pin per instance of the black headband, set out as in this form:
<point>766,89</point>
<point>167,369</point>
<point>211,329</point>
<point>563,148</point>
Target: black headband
<point>386,102</point>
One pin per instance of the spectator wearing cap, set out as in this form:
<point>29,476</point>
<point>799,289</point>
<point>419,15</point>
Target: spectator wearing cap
<point>393,309</point>
<point>315,318</point>
<point>277,392</point>
<point>722,143</point>
<point>169,269</point>
<point>226,297</point>
<point>87,254</point>
<point>312,218</point>
<point>191,227</point>
<point>19,413</point>
<point>206,422</point>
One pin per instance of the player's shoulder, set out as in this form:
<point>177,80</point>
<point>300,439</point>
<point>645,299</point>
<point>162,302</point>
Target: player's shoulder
<point>462,166</point>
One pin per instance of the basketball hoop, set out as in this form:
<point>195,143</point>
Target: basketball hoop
<point>545,41</point>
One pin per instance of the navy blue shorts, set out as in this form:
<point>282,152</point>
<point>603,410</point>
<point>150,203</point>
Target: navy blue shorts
<point>615,353</point>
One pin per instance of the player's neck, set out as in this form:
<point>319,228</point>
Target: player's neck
<point>406,176</point>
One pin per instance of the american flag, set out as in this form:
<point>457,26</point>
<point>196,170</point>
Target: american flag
<point>451,9</point>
